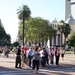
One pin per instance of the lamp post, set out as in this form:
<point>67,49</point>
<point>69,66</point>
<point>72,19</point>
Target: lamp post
<point>60,25</point>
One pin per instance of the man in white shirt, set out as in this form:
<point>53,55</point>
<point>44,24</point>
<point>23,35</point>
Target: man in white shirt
<point>30,56</point>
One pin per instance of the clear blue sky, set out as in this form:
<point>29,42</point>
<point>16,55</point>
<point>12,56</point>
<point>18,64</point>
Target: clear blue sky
<point>47,9</point>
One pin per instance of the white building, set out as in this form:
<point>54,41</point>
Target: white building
<point>71,22</point>
<point>73,8</point>
<point>55,41</point>
<point>70,14</point>
<point>71,19</point>
<point>67,8</point>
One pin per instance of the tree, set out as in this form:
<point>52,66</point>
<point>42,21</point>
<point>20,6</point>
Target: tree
<point>37,29</point>
<point>23,14</point>
<point>66,30</point>
<point>4,37</point>
<point>2,32</point>
<point>15,44</point>
<point>8,39</point>
<point>71,41</point>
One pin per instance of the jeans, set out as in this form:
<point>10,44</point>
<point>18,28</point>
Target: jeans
<point>43,61</point>
<point>29,60</point>
<point>52,59</point>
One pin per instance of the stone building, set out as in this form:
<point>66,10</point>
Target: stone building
<point>55,41</point>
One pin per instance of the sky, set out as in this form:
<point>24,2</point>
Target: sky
<point>47,9</point>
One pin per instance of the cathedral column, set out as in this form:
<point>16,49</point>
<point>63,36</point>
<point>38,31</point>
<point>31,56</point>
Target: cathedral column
<point>57,39</point>
<point>52,41</point>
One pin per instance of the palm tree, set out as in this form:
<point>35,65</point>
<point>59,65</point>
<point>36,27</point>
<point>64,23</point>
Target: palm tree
<point>66,29</point>
<point>23,14</point>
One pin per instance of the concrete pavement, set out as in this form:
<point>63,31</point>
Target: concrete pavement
<point>67,67</point>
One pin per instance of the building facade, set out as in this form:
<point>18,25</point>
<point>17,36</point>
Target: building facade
<point>55,41</point>
<point>71,19</point>
<point>73,8</point>
<point>67,9</point>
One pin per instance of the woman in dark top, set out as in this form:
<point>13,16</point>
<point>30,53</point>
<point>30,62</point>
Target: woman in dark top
<point>18,58</point>
<point>57,55</point>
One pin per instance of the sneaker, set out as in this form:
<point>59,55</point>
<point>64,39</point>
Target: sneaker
<point>16,67</point>
<point>31,70</point>
<point>20,67</point>
<point>36,71</point>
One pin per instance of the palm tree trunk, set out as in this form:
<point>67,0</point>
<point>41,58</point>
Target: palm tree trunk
<point>23,31</point>
<point>64,40</point>
<point>60,39</point>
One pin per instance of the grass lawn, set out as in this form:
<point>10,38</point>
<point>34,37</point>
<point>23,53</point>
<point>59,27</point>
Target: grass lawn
<point>69,52</point>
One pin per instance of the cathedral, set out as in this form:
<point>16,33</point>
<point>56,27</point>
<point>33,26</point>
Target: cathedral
<point>69,19</point>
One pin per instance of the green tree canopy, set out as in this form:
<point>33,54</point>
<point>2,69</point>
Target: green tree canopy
<point>38,29</point>
<point>4,37</point>
<point>71,41</point>
<point>66,29</point>
<point>2,32</point>
<point>15,44</point>
<point>23,14</point>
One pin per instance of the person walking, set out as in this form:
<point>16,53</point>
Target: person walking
<point>47,55</point>
<point>44,57</point>
<point>6,51</point>
<point>62,53</point>
<point>36,58</point>
<point>57,55</point>
<point>30,56</point>
<point>74,50</point>
<point>51,56</point>
<point>23,57</point>
<point>25,49</point>
<point>18,58</point>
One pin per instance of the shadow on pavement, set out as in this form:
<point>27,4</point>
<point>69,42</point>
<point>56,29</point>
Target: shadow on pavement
<point>9,71</point>
<point>62,67</point>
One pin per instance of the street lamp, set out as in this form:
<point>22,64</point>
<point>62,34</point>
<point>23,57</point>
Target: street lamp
<point>61,25</point>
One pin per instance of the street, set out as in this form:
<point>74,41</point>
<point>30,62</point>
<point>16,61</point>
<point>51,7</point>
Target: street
<point>66,67</point>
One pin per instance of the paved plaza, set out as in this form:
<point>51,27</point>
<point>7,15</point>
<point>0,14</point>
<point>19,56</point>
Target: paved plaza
<point>66,67</point>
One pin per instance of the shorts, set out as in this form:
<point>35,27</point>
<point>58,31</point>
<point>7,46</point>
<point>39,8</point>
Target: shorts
<point>62,55</point>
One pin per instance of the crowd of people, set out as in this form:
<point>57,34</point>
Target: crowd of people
<point>36,56</point>
<point>5,50</point>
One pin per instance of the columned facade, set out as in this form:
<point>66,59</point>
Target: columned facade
<point>55,41</point>
<point>52,41</point>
